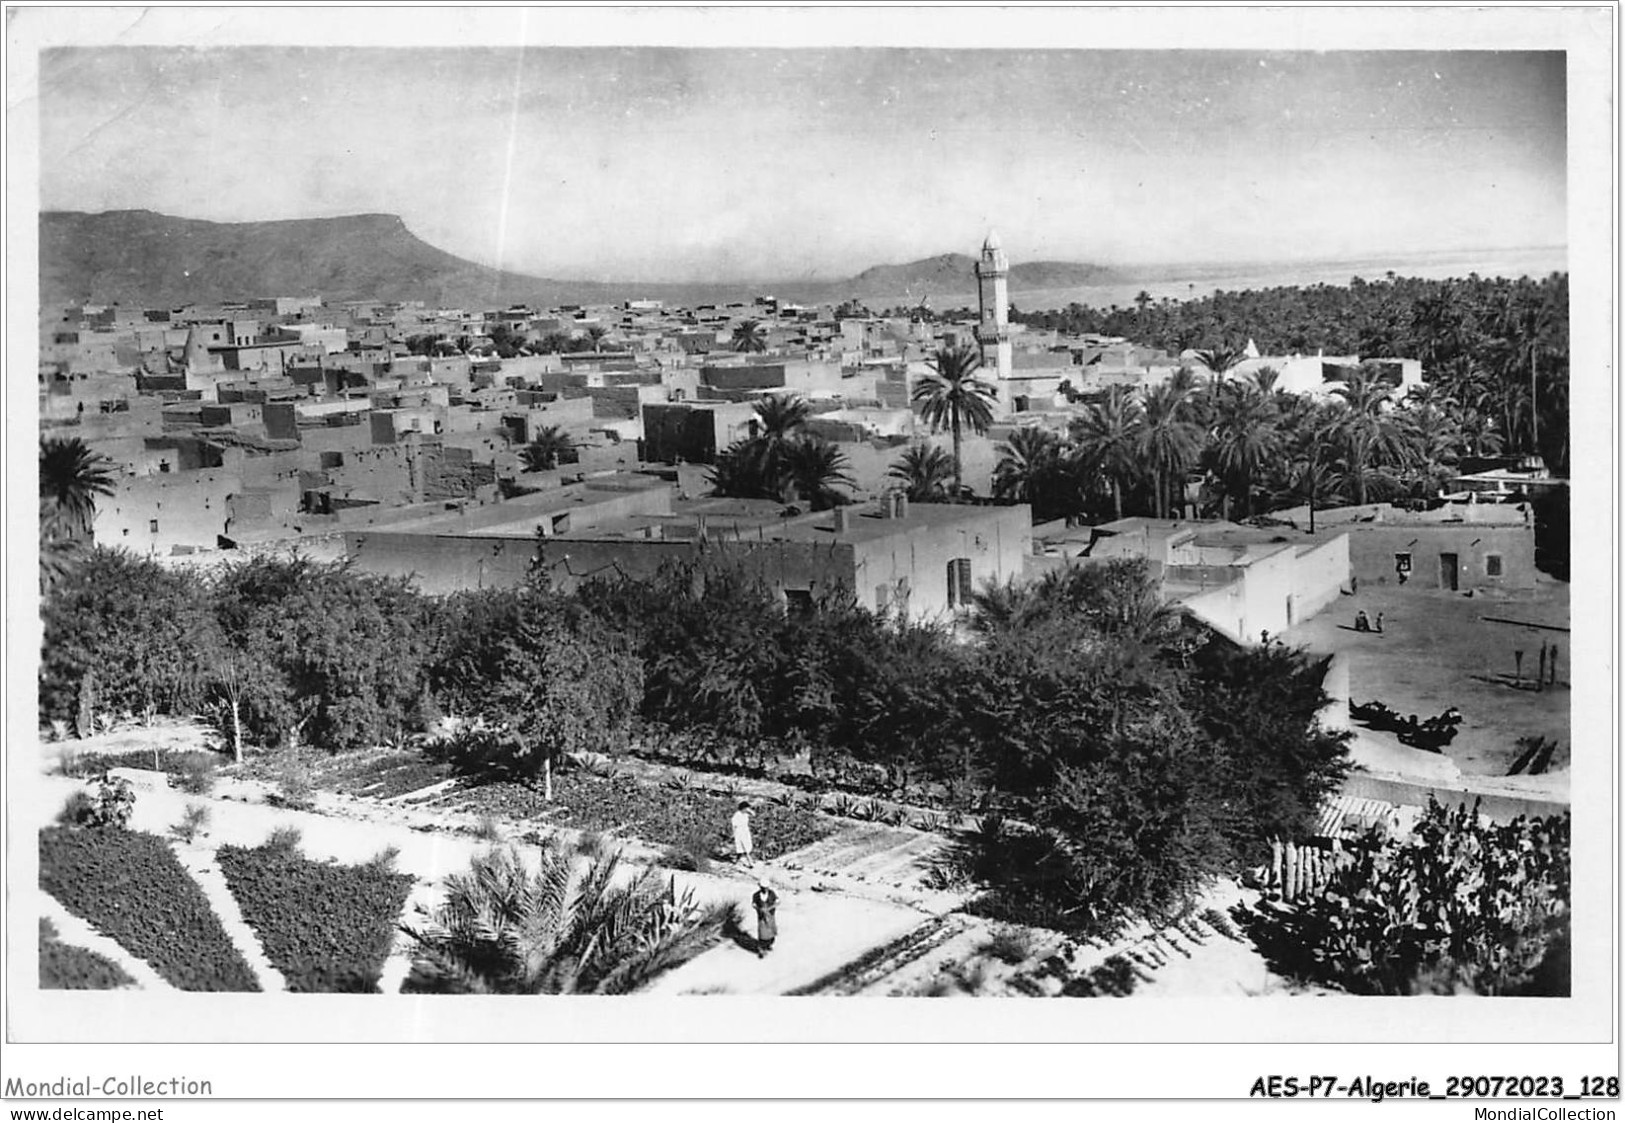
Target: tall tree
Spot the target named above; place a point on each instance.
(1107, 439)
(815, 470)
(750, 336)
(952, 397)
(1033, 468)
(549, 447)
(925, 471)
(1219, 360)
(1244, 442)
(71, 477)
(1169, 442)
(780, 415)
(1524, 323)
(1365, 427)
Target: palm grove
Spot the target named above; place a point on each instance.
(1121, 756)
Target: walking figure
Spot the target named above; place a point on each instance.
(1379, 623)
(741, 828)
(766, 904)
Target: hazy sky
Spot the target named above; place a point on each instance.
(657, 164)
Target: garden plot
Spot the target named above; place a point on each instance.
(129, 885)
(691, 820)
(324, 927)
(65, 966)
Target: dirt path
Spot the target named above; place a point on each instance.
(198, 858)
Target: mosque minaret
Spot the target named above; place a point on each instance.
(993, 294)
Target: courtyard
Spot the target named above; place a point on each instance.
(1439, 649)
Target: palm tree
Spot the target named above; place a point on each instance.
(1169, 443)
(953, 397)
(1033, 468)
(567, 928)
(59, 548)
(1220, 359)
(1436, 439)
(1365, 427)
(71, 476)
(813, 468)
(779, 415)
(1524, 327)
(1312, 480)
(762, 466)
(1245, 440)
(1265, 378)
(739, 472)
(548, 448)
(1478, 432)
(925, 471)
(1000, 605)
(750, 336)
(596, 333)
(1107, 439)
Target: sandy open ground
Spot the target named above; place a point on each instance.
(1440, 649)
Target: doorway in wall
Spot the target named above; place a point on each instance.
(1449, 565)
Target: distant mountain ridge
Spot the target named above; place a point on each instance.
(149, 258)
(142, 256)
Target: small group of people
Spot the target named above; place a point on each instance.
(1362, 622)
(764, 902)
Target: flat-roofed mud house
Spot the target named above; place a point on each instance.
(921, 560)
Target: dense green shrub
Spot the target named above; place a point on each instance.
(1144, 760)
(319, 651)
(131, 887)
(543, 681)
(1461, 905)
(1271, 763)
(707, 635)
(68, 967)
(136, 628)
(109, 806)
(326, 928)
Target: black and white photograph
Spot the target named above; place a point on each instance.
(1050, 537)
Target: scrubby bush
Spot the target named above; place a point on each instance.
(1009, 945)
(294, 786)
(110, 805)
(1460, 906)
(194, 821)
(193, 773)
